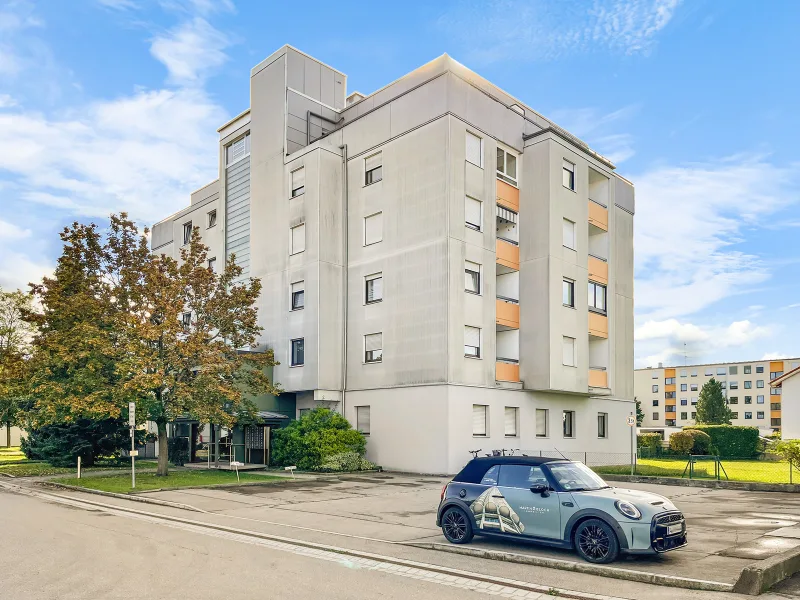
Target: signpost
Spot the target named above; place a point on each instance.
(632, 425)
(132, 424)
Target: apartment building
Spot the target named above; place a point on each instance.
(788, 386)
(440, 263)
(668, 395)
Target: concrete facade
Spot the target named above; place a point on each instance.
(423, 359)
(15, 437)
(787, 390)
(668, 394)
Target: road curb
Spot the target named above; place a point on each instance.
(746, 486)
(586, 568)
(757, 578)
(134, 497)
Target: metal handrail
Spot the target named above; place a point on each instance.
(511, 361)
(605, 260)
(506, 299)
(500, 237)
(598, 202)
(598, 368)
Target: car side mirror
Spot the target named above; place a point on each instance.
(541, 488)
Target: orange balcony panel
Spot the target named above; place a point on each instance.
(598, 270)
(598, 216)
(669, 373)
(507, 255)
(598, 325)
(774, 414)
(776, 366)
(507, 314)
(598, 378)
(507, 196)
(506, 372)
(670, 388)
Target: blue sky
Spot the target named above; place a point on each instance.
(110, 105)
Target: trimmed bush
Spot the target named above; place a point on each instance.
(347, 461)
(702, 441)
(681, 442)
(731, 441)
(651, 442)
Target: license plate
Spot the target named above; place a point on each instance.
(673, 529)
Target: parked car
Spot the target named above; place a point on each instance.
(556, 502)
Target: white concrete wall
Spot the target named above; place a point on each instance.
(790, 408)
(16, 435)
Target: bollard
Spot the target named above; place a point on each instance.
(79, 467)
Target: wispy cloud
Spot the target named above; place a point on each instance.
(191, 51)
(775, 356)
(537, 29)
(601, 131)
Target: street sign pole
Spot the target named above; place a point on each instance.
(132, 423)
(632, 425)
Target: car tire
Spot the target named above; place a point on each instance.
(596, 541)
(457, 526)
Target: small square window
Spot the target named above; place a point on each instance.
(568, 421)
(297, 239)
(721, 371)
(237, 150)
(480, 416)
(655, 375)
(684, 387)
(506, 166)
(709, 372)
(373, 229)
(733, 370)
(748, 399)
(474, 150)
(655, 388)
(694, 372)
(298, 352)
(693, 387)
(473, 213)
(684, 401)
(748, 369)
(373, 347)
(212, 218)
(298, 182)
(568, 175)
(734, 415)
(187, 232)
(760, 383)
(568, 351)
(568, 236)
(748, 385)
(655, 416)
(683, 372)
(472, 277)
(734, 385)
(542, 422)
(759, 399)
(373, 288)
(568, 293)
(472, 342)
(760, 414)
(694, 415)
(684, 416)
(373, 168)
(298, 295)
(362, 419)
(510, 421)
(602, 425)
(212, 265)
(597, 297)
(655, 402)
(759, 369)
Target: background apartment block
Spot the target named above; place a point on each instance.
(440, 263)
(669, 394)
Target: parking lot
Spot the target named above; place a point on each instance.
(727, 529)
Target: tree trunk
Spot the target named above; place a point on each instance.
(163, 450)
(8, 434)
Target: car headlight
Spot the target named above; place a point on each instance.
(628, 509)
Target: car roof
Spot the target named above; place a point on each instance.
(475, 469)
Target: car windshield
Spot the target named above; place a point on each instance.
(576, 477)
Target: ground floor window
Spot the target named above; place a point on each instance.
(510, 421)
(568, 420)
(362, 419)
(602, 425)
(479, 418)
(541, 422)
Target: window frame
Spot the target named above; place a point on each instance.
(369, 279)
(211, 219)
(563, 349)
(211, 264)
(572, 424)
(299, 190)
(302, 346)
(568, 288)
(366, 218)
(593, 297)
(546, 415)
(602, 425)
(293, 294)
(480, 149)
(473, 226)
(187, 232)
(229, 150)
(477, 291)
(369, 178)
(369, 357)
(564, 170)
(478, 353)
(516, 421)
(564, 222)
(359, 428)
(485, 409)
(186, 321)
(292, 250)
(503, 175)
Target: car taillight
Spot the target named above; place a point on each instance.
(444, 489)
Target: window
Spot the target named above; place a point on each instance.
(775, 422)
(694, 400)
(479, 417)
(474, 150)
(491, 476)
(759, 399)
(473, 213)
(733, 370)
(568, 422)
(694, 415)
(298, 239)
(684, 387)
(655, 388)
(568, 351)
(655, 375)
(472, 277)
(670, 408)
(721, 370)
(373, 229)
(733, 400)
(186, 320)
(775, 391)
(683, 372)
(709, 372)
(373, 347)
(362, 419)
(568, 234)
(655, 416)
(506, 166)
(568, 293)
(212, 218)
(760, 383)
(759, 369)
(187, 232)
(472, 342)
(775, 375)
(748, 415)
(669, 381)
(542, 420)
(684, 401)
(298, 182)
(298, 295)
(684, 416)
(212, 265)
(602, 425)
(760, 414)
(521, 477)
(669, 422)
(748, 385)
(298, 354)
(748, 399)
(373, 168)
(237, 150)
(693, 387)
(510, 421)
(568, 175)
(723, 385)
(748, 369)
(734, 385)
(655, 402)
(597, 297)
(694, 372)
(669, 395)
(373, 288)
(775, 406)
(303, 411)
(734, 415)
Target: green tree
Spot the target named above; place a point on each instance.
(639, 413)
(15, 346)
(113, 331)
(790, 450)
(61, 444)
(712, 408)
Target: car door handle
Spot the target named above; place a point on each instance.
(568, 504)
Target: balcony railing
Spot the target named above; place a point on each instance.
(507, 254)
(598, 377)
(507, 313)
(505, 370)
(598, 215)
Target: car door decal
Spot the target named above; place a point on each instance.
(492, 512)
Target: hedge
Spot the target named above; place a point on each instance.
(731, 441)
(650, 441)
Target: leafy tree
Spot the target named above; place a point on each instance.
(789, 450)
(639, 413)
(112, 332)
(15, 340)
(61, 444)
(315, 438)
(712, 409)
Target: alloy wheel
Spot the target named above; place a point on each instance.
(594, 542)
(455, 525)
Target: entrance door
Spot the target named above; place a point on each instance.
(539, 515)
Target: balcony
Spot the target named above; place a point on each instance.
(507, 313)
(507, 256)
(507, 196)
(598, 377)
(598, 325)
(598, 215)
(506, 370)
(598, 270)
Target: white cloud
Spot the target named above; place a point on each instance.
(688, 219)
(774, 356)
(599, 130)
(795, 305)
(121, 5)
(191, 51)
(526, 29)
(12, 233)
(6, 101)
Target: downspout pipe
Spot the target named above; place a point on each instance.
(345, 283)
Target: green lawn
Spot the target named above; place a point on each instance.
(738, 470)
(11, 455)
(148, 481)
(26, 468)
